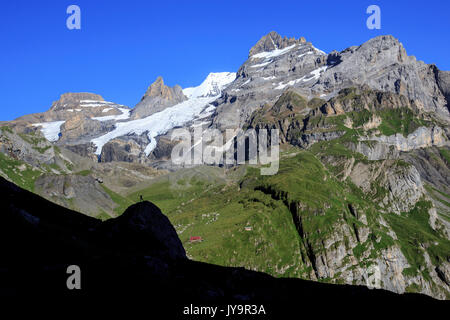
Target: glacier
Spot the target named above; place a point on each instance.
(50, 130)
(196, 107)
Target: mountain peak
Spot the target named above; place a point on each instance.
(273, 41)
(159, 89)
(71, 99)
(157, 97)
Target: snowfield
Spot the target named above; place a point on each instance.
(95, 103)
(125, 115)
(51, 130)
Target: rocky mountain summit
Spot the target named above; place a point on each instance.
(73, 100)
(273, 41)
(157, 97)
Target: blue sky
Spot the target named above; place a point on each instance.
(124, 45)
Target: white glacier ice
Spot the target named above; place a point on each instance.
(196, 107)
(212, 86)
(51, 130)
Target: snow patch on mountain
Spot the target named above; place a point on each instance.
(212, 86)
(304, 54)
(273, 53)
(315, 74)
(95, 103)
(50, 130)
(261, 64)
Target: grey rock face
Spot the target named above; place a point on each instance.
(126, 148)
(33, 152)
(157, 97)
(443, 272)
(389, 147)
(80, 129)
(307, 140)
(405, 188)
(382, 64)
(443, 81)
(86, 150)
(402, 181)
(432, 168)
(265, 75)
(423, 137)
(72, 100)
(376, 150)
(78, 192)
(273, 41)
(80, 104)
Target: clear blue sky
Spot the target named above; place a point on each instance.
(124, 45)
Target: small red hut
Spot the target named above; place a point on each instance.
(195, 239)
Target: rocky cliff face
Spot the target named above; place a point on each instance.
(372, 140)
(76, 191)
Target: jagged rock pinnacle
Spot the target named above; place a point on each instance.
(273, 41)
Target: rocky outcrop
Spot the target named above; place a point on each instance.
(78, 192)
(382, 64)
(127, 150)
(364, 98)
(405, 188)
(157, 97)
(273, 41)
(374, 150)
(32, 148)
(379, 147)
(402, 182)
(431, 165)
(84, 115)
(80, 129)
(443, 81)
(308, 139)
(86, 150)
(72, 100)
(422, 137)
